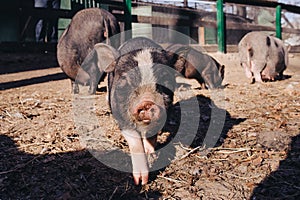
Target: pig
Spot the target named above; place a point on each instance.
(141, 89)
(263, 57)
(87, 27)
(194, 64)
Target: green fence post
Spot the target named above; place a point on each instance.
(63, 22)
(128, 19)
(220, 26)
(278, 22)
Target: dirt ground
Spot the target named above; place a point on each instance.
(257, 155)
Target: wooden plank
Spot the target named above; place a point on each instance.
(197, 23)
(295, 49)
(214, 48)
(234, 48)
(119, 3)
(266, 3)
(255, 27)
(291, 30)
(201, 35)
(50, 13)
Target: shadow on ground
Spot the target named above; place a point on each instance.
(208, 125)
(71, 175)
(32, 81)
(284, 182)
(21, 62)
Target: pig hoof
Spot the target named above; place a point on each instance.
(140, 177)
(92, 91)
(75, 89)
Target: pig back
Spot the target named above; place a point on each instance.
(138, 43)
(86, 28)
(254, 46)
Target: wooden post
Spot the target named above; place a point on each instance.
(185, 3)
(128, 19)
(221, 26)
(201, 35)
(278, 22)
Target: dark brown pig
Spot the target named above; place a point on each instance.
(194, 64)
(141, 89)
(262, 56)
(88, 27)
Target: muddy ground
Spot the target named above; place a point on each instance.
(45, 152)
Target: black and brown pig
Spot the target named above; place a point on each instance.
(140, 85)
(194, 64)
(262, 56)
(140, 88)
(87, 27)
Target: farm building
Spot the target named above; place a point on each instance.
(196, 19)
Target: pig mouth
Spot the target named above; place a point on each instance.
(146, 112)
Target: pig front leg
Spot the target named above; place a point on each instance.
(75, 87)
(93, 85)
(94, 74)
(138, 156)
(248, 72)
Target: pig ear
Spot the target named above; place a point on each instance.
(107, 56)
(176, 60)
(222, 71)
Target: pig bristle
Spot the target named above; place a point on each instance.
(145, 63)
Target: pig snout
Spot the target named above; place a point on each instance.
(147, 108)
(146, 112)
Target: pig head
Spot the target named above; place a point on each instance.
(262, 56)
(140, 86)
(278, 60)
(194, 64)
(87, 27)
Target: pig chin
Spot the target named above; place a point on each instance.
(152, 124)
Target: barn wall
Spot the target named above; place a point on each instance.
(9, 21)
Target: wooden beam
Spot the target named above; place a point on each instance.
(50, 13)
(111, 2)
(197, 23)
(266, 3)
(201, 35)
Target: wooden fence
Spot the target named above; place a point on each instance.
(122, 10)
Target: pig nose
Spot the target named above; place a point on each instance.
(142, 117)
